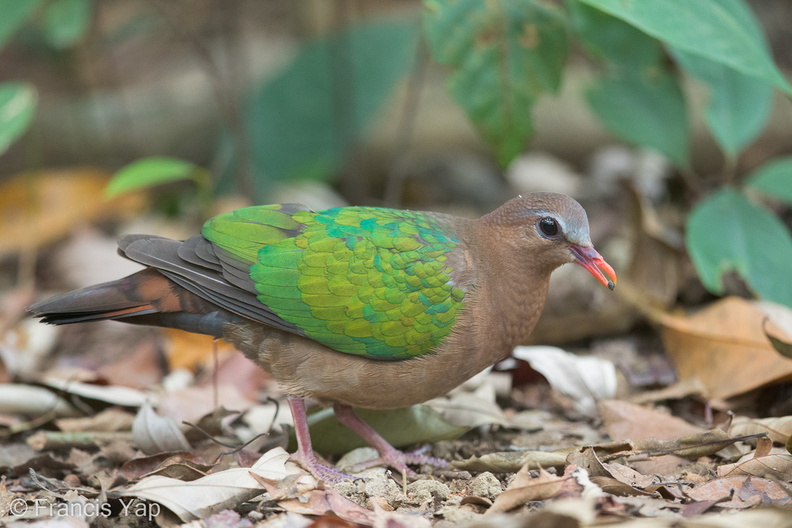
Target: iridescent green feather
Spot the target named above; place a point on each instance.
(361, 280)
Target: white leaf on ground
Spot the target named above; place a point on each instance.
(471, 409)
(584, 379)
(200, 498)
(16, 398)
(115, 394)
(154, 433)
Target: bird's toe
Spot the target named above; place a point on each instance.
(321, 471)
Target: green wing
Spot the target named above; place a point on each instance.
(361, 280)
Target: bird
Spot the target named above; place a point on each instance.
(354, 307)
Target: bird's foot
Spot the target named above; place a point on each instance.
(320, 471)
(399, 460)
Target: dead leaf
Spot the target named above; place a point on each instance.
(778, 429)
(193, 402)
(109, 420)
(587, 459)
(724, 345)
(215, 492)
(210, 424)
(654, 270)
(511, 461)
(17, 398)
(42, 207)
(735, 491)
(676, 391)
(584, 379)
(471, 409)
(141, 466)
(590, 461)
(776, 465)
(780, 332)
(328, 500)
(191, 351)
(155, 434)
(764, 446)
(631, 477)
(612, 478)
(525, 488)
(114, 394)
(182, 468)
(624, 420)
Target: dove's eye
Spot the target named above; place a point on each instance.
(548, 227)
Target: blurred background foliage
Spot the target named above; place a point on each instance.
(419, 104)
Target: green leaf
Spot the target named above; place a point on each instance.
(149, 172)
(739, 104)
(504, 53)
(303, 122)
(17, 106)
(724, 31)
(774, 178)
(419, 424)
(13, 14)
(726, 232)
(613, 40)
(65, 22)
(644, 107)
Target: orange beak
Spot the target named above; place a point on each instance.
(595, 264)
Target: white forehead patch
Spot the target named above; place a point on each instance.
(577, 234)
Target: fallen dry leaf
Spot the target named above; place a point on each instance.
(148, 465)
(114, 394)
(17, 398)
(112, 419)
(200, 498)
(42, 207)
(625, 420)
(737, 491)
(691, 446)
(329, 501)
(616, 479)
(155, 434)
(525, 488)
(584, 379)
(776, 465)
(778, 333)
(650, 283)
(511, 461)
(724, 345)
(191, 351)
(778, 429)
(471, 409)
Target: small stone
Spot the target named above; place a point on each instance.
(459, 515)
(349, 489)
(425, 491)
(381, 486)
(486, 485)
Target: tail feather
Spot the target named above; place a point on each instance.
(109, 300)
(146, 297)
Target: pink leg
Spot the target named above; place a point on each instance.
(389, 455)
(305, 455)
